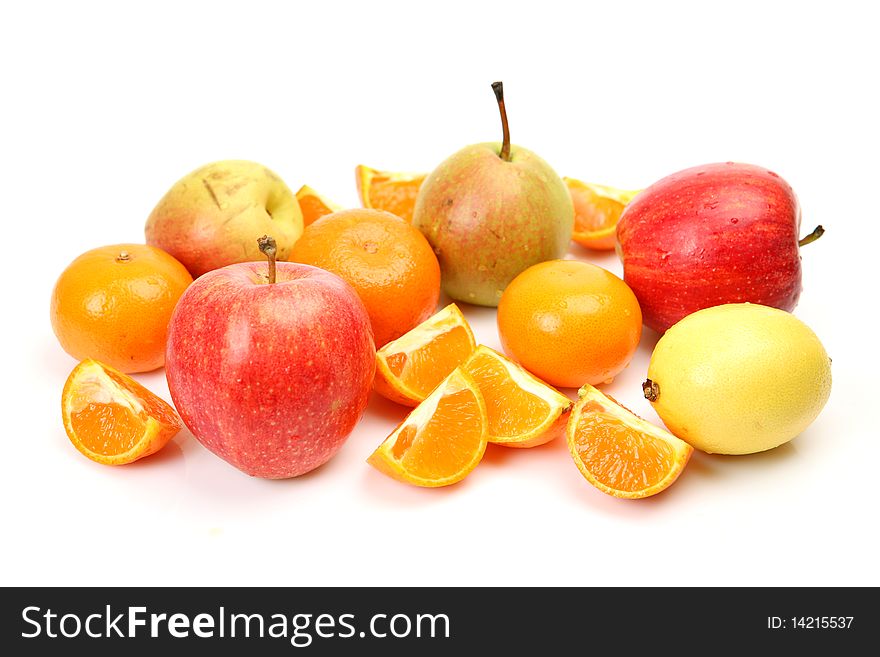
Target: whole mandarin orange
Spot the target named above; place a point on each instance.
(569, 322)
(387, 261)
(113, 304)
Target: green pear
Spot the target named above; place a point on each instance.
(491, 211)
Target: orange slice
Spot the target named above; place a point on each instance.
(441, 440)
(522, 410)
(597, 208)
(313, 205)
(410, 367)
(620, 453)
(393, 192)
(113, 419)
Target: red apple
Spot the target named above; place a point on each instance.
(710, 235)
(270, 376)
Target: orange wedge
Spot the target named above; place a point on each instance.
(313, 205)
(597, 208)
(620, 453)
(410, 367)
(393, 192)
(441, 440)
(522, 410)
(113, 419)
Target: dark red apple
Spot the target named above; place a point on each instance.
(710, 235)
(270, 376)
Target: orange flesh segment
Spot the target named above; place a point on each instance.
(597, 209)
(512, 410)
(411, 366)
(107, 429)
(153, 406)
(620, 456)
(421, 370)
(444, 445)
(110, 417)
(441, 440)
(393, 192)
(313, 205)
(594, 213)
(619, 452)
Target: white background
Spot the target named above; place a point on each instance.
(104, 107)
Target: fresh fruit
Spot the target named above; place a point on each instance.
(441, 440)
(521, 410)
(713, 234)
(393, 192)
(113, 304)
(738, 378)
(111, 418)
(597, 209)
(213, 216)
(314, 206)
(620, 453)
(569, 323)
(490, 211)
(388, 263)
(409, 368)
(270, 367)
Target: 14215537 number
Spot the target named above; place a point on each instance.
(810, 622)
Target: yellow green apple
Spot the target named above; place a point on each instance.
(213, 216)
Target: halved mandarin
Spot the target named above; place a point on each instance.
(441, 440)
(620, 453)
(313, 205)
(522, 410)
(111, 418)
(597, 209)
(394, 192)
(410, 367)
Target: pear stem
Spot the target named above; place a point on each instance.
(498, 88)
(268, 248)
(818, 231)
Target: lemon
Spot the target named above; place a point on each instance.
(738, 378)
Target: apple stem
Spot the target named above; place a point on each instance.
(818, 231)
(651, 390)
(498, 88)
(268, 248)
